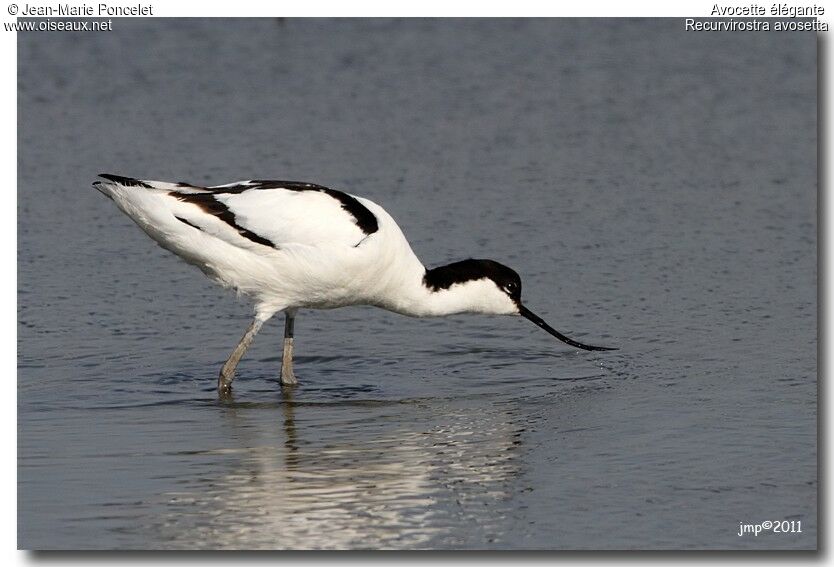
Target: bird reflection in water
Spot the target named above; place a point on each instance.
(350, 474)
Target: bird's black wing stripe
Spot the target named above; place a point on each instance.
(211, 205)
(362, 216)
(125, 181)
(182, 220)
(267, 184)
(291, 185)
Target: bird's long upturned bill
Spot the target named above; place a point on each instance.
(526, 313)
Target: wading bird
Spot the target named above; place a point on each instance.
(290, 245)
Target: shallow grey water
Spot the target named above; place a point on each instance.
(656, 189)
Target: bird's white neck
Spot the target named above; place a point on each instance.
(416, 298)
(402, 284)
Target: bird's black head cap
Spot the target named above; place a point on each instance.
(444, 277)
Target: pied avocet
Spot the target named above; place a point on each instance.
(290, 245)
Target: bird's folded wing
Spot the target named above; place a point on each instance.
(270, 217)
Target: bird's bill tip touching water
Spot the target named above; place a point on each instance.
(527, 314)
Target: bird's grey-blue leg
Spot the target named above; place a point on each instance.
(227, 373)
(287, 375)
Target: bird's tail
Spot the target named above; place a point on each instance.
(115, 183)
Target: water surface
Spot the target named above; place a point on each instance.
(656, 190)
